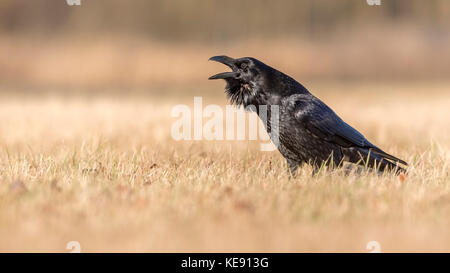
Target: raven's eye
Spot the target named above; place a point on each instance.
(244, 66)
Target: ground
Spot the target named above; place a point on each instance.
(104, 170)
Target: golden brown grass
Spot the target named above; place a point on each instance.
(104, 171)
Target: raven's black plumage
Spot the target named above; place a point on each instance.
(309, 131)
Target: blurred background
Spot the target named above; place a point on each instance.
(152, 44)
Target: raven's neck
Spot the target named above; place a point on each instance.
(268, 89)
(275, 86)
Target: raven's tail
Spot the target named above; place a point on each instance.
(374, 158)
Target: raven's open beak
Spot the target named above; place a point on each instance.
(226, 61)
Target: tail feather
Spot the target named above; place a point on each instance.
(375, 159)
(388, 156)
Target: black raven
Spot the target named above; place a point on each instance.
(308, 130)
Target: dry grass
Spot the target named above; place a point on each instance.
(104, 171)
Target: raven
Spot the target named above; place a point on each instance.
(308, 130)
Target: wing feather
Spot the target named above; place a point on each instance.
(324, 123)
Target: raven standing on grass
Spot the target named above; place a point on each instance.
(309, 131)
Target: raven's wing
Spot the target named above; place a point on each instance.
(324, 123)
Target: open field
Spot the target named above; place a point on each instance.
(103, 170)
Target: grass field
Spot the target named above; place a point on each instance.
(103, 170)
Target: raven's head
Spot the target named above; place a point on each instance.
(244, 81)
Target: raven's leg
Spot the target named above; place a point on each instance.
(293, 166)
(334, 160)
(316, 169)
